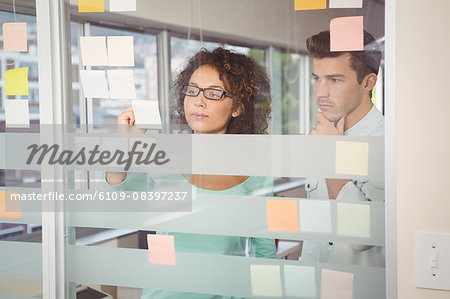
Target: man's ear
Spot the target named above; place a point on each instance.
(238, 110)
(369, 82)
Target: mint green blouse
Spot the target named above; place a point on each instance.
(208, 244)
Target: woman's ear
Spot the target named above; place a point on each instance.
(238, 110)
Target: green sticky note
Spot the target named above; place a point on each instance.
(353, 220)
(315, 216)
(16, 82)
(352, 157)
(300, 281)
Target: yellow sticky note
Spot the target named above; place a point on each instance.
(9, 208)
(266, 280)
(353, 220)
(282, 215)
(347, 34)
(91, 6)
(16, 82)
(15, 37)
(352, 157)
(310, 4)
(161, 249)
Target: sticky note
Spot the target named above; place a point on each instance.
(17, 114)
(121, 84)
(122, 5)
(266, 280)
(336, 285)
(161, 249)
(300, 281)
(16, 82)
(352, 157)
(347, 34)
(94, 84)
(147, 114)
(93, 51)
(120, 51)
(353, 220)
(315, 216)
(346, 4)
(9, 208)
(282, 215)
(15, 37)
(91, 5)
(310, 4)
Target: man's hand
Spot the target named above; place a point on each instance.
(326, 127)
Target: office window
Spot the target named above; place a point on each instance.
(286, 93)
(105, 111)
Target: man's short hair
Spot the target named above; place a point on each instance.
(363, 62)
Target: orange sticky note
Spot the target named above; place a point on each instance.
(91, 6)
(310, 4)
(161, 249)
(15, 37)
(282, 215)
(9, 208)
(347, 34)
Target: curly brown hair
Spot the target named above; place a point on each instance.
(243, 78)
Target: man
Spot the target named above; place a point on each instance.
(343, 83)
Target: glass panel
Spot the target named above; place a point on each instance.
(260, 202)
(20, 231)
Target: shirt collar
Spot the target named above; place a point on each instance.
(365, 125)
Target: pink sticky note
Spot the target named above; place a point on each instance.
(347, 34)
(15, 37)
(336, 285)
(161, 249)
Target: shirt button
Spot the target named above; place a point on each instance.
(307, 186)
(330, 243)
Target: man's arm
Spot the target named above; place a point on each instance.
(326, 127)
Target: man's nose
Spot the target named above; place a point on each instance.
(321, 89)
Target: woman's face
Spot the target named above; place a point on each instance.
(206, 116)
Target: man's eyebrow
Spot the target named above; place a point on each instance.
(334, 76)
(192, 83)
(330, 76)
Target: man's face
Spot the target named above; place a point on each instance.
(336, 86)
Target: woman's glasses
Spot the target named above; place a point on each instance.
(209, 93)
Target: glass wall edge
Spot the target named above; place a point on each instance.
(390, 150)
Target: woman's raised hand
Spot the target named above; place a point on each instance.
(127, 121)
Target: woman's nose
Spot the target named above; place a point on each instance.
(200, 100)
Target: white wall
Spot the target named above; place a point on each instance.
(423, 132)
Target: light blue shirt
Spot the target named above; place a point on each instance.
(363, 190)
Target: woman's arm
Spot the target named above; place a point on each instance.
(126, 121)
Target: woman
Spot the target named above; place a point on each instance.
(220, 92)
